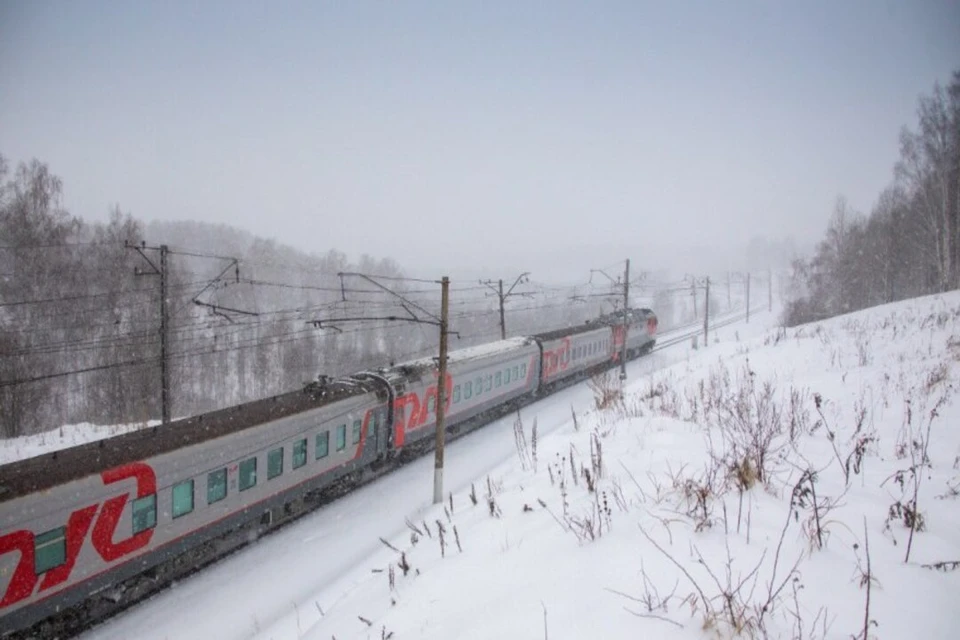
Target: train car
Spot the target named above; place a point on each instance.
(479, 379)
(569, 353)
(82, 520)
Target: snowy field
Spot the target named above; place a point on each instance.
(766, 488)
(766, 485)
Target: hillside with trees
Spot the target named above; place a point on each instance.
(80, 313)
(909, 243)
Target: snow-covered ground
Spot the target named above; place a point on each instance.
(642, 519)
(766, 488)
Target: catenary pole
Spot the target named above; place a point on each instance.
(164, 319)
(164, 324)
(503, 322)
(706, 316)
(441, 392)
(626, 321)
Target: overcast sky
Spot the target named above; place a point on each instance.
(469, 134)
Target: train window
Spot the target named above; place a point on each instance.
(50, 550)
(248, 473)
(341, 437)
(523, 371)
(323, 445)
(357, 431)
(506, 376)
(299, 453)
(467, 390)
(274, 463)
(516, 372)
(216, 486)
(489, 384)
(144, 512)
(497, 379)
(478, 386)
(182, 498)
(372, 424)
(456, 394)
(431, 404)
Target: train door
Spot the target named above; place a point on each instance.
(377, 431)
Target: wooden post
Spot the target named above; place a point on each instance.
(626, 321)
(693, 294)
(164, 366)
(441, 392)
(706, 317)
(503, 323)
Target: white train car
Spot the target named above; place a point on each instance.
(479, 379)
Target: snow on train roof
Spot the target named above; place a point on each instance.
(46, 470)
(470, 353)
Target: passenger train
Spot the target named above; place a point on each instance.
(88, 530)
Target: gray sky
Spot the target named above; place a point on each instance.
(514, 134)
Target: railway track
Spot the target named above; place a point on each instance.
(692, 329)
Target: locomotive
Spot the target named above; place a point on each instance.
(88, 530)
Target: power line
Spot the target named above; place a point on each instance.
(87, 296)
(64, 245)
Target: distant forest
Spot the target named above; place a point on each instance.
(909, 244)
(80, 313)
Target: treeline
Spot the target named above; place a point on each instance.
(909, 244)
(80, 336)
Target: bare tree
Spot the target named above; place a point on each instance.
(929, 167)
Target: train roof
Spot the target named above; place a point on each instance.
(58, 467)
(459, 356)
(556, 334)
(636, 315)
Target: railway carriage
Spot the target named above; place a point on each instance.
(568, 354)
(479, 379)
(107, 511)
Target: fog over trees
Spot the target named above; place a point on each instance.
(80, 337)
(80, 313)
(909, 243)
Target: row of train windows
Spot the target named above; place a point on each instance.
(50, 548)
(592, 349)
(486, 384)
